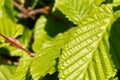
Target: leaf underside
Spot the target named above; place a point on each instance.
(86, 56)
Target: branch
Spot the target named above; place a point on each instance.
(29, 12)
(15, 43)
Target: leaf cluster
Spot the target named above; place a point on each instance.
(75, 40)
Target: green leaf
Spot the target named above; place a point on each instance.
(116, 2)
(25, 38)
(46, 61)
(10, 28)
(98, 2)
(117, 14)
(23, 67)
(40, 35)
(6, 72)
(75, 10)
(46, 28)
(86, 56)
(6, 9)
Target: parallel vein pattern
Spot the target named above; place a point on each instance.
(45, 61)
(75, 10)
(86, 56)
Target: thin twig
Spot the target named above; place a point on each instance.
(15, 43)
(29, 12)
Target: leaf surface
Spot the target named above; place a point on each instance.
(75, 10)
(46, 61)
(23, 68)
(6, 72)
(86, 56)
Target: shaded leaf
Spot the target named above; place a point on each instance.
(31, 3)
(115, 43)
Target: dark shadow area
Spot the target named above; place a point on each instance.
(5, 56)
(107, 1)
(116, 8)
(51, 77)
(115, 44)
(57, 23)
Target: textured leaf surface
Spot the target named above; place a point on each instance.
(116, 2)
(75, 10)
(6, 72)
(23, 67)
(86, 56)
(46, 28)
(9, 28)
(40, 34)
(46, 61)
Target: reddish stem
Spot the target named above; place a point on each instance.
(15, 43)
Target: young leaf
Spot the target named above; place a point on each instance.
(6, 72)
(46, 61)
(23, 68)
(86, 56)
(75, 10)
(9, 28)
(40, 35)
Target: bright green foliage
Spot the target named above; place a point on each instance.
(48, 57)
(23, 67)
(98, 2)
(80, 40)
(11, 28)
(86, 56)
(75, 10)
(39, 33)
(116, 2)
(6, 72)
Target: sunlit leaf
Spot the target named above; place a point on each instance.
(48, 56)
(86, 56)
(75, 10)
(6, 72)
(23, 67)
